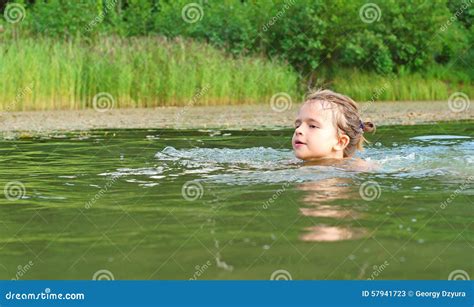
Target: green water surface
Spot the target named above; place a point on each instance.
(210, 204)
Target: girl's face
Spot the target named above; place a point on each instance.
(315, 134)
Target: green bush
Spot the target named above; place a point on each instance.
(321, 39)
(64, 19)
(308, 34)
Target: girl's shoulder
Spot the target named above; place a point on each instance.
(361, 165)
(351, 164)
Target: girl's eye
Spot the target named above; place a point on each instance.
(312, 126)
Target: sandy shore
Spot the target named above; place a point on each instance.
(229, 117)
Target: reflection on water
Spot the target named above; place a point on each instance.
(158, 204)
(321, 191)
(324, 233)
(329, 191)
(329, 211)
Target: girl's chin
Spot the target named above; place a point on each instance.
(308, 158)
(303, 157)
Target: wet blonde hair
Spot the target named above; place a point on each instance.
(346, 118)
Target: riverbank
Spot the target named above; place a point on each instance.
(226, 117)
(151, 72)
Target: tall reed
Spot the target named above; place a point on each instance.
(44, 74)
(437, 83)
(47, 74)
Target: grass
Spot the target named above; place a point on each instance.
(43, 74)
(437, 83)
(47, 74)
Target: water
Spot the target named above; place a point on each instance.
(209, 204)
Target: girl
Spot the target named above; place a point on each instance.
(328, 127)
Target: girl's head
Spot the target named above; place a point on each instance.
(328, 125)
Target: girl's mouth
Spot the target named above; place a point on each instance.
(299, 144)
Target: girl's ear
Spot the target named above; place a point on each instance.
(342, 142)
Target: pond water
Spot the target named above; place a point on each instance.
(216, 204)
